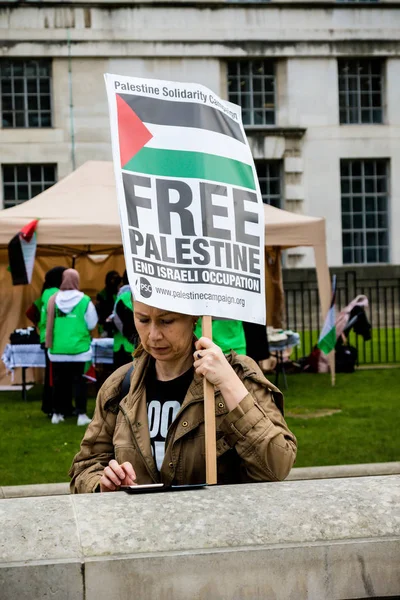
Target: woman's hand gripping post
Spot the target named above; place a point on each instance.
(210, 362)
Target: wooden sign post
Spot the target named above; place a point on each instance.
(209, 417)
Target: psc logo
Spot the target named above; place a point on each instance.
(145, 287)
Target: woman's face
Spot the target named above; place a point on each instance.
(166, 335)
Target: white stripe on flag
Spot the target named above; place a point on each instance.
(329, 323)
(29, 253)
(192, 139)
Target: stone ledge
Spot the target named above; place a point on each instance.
(295, 539)
(296, 474)
(339, 471)
(38, 489)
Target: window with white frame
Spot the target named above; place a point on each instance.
(22, 182)
(269, 174)
(360, 91)
(25, 89)
(365, 200)
(251, 84)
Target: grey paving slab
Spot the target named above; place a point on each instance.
(35, 529)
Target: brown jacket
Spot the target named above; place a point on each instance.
(253, 440)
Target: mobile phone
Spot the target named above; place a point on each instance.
(148, 488)
(152, 488)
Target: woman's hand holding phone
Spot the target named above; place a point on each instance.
(116, 475)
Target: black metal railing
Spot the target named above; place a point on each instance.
(303, 315)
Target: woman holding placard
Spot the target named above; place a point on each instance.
(155, 433)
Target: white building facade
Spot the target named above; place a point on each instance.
(318, 82)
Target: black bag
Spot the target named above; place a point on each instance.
(25, 336)
(345, 358)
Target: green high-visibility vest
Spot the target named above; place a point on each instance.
(70, 333)
(119, 339)
(43, 312)
(227, 334)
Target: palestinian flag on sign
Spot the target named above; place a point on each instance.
(21, 254)
(157, 137)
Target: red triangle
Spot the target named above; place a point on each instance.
(90, 373)
(28, 231)
(133, 134)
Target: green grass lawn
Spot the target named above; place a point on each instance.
(366, 430)
(383, 348)
(32, 449)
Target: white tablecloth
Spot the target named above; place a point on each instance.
(284, 340)
(32, 355)
(23, 355)
(103, 351)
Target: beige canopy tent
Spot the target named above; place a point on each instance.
(78, 220)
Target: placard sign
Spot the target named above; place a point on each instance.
(191, 211)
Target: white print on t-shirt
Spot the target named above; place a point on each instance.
(160, 417)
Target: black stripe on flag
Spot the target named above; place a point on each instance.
(17, 262)
(183, 114)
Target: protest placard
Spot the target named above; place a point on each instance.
(191, 211)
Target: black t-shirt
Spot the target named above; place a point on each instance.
(164, 400)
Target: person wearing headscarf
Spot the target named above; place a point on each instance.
(71, 315)
(105, 301)
(37, 313)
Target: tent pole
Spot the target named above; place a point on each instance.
(325, 293)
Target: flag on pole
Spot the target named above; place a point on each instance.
(21, 254)
(327, 338)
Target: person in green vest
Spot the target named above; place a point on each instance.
(126, 334)
(37, 313)
(228, 334)
(71, 316)
(52, 283)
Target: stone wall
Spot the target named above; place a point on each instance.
(320, 539)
